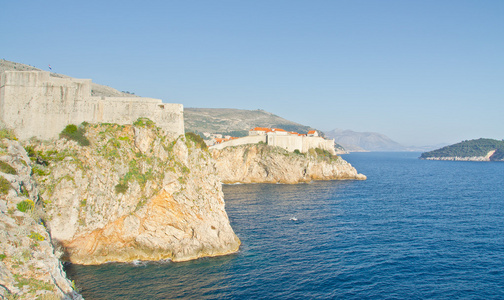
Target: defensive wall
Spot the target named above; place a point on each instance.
(285, 140)
(35, 104)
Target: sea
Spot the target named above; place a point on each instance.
(415, 229)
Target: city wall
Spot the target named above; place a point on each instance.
(35, 104)
(285, 141)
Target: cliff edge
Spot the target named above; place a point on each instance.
(29, 264)
(132, 194)
(260, 163)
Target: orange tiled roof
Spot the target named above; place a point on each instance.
(312, 132)
(266, 129)
(220, 140)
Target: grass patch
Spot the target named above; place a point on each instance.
(26, 205)
(6, 168)
(4, 186)
(7, 134)
(36, 236)
(39, 171)
(33, 284)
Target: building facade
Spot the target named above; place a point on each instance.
(277, 137)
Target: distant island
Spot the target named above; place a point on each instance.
(472, 150)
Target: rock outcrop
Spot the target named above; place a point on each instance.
(132, 194)
(29, 266)
(260, 163)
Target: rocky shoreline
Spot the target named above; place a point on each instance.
(133, 193)
(259, 163)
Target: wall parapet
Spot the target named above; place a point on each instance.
(35, 104)
(289, 141)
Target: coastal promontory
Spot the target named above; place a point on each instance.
(471, 150)
(261, 163)
(132, 194)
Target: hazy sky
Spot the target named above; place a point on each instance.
(420, 72)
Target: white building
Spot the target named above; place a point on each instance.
(277, 137)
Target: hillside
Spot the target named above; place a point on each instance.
(96, 89)
(473, 150)
(364, 141)
(235, 122)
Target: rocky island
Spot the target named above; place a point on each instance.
(472, 150)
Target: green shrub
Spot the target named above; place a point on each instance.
(121, 188)
(144, 122)
(6, 168)
(74, 133)
(4, 186)
(197, 139)
(26, 205)
(2, 256)
(36, 236)
(39, 171)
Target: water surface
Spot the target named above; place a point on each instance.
(415, 229)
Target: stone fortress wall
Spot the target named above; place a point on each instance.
(35, 104)
(289, 141)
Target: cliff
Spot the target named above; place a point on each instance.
(261, 163)
(132, 194)
(472, 150)
(29, 266)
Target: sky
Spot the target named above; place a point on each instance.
(421, 72)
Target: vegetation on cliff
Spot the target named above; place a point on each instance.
(472, 148)
(134, 193)
(260, 163)
(29, 267)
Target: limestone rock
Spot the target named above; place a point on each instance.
(264, 164)
(29, 268)
(133, 194)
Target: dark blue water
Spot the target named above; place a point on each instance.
(414, 230)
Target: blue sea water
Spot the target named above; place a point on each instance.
(414, 230)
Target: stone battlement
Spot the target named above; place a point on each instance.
(35, 104)
(276, 137)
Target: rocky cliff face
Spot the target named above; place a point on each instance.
(29, 267)
(260, 163)
(132, 194)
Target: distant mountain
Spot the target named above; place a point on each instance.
(235, 122)
(472, 150)
(354, 141)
